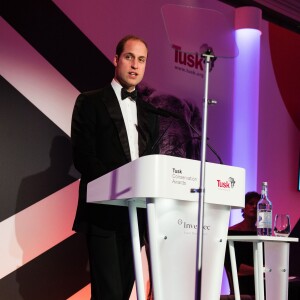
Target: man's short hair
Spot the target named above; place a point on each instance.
(251, 195)
(122, 42)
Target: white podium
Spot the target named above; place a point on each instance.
(163, 184)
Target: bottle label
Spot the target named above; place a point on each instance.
(264, 219)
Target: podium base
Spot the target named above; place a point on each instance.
(173, 240)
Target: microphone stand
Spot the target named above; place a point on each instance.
(209, 58)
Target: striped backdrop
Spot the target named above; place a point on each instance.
(45, 61)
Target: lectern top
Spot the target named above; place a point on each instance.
(162, 176)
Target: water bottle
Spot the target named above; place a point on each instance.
(264, 212)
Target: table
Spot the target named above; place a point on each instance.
(275, 266)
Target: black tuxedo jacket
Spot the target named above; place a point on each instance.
(100, 145)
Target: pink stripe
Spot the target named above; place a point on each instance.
(83, 294)
(36, 229)
(35, 78)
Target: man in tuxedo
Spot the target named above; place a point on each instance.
(111, 127)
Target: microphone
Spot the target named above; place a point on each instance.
(156, 143)
(208, 51)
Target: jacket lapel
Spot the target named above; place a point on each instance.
(111, 102)
(143, 127)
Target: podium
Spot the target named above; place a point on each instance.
(162, 184)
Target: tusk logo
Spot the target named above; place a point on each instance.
(230, 183)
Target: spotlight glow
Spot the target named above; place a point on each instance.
(246, 106)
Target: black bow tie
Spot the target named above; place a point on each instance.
(125, 94)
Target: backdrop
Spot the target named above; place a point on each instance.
(52, 51)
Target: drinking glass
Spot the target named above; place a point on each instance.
(282, 225)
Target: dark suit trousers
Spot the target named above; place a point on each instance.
(112, 267)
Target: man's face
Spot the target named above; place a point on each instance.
(250, 209)
(130, 65)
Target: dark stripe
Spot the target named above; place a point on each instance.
(35, 156)
(55, 275)
(60, 42)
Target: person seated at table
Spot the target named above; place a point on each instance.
(244, 251)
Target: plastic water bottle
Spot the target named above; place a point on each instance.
(264, 212)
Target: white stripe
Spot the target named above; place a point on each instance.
(35, 78)
(36, 229)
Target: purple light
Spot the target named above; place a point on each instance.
(245, 114)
